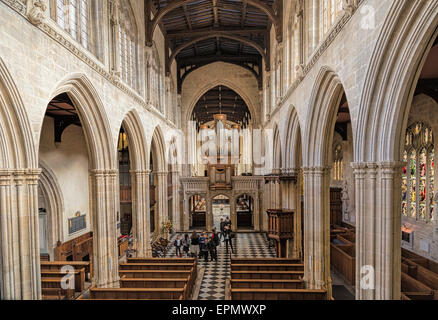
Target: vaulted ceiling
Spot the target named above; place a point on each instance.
(221, 100)
(204, 31)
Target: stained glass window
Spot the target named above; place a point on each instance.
(418, 174)
(338, 163)
(405, 187)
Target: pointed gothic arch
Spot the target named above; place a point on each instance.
(19, 269)
(139, 170)
(103, 173)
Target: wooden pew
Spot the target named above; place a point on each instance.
(411, 286)
(146, 274)
(278, 294)
(426, 263)
(342, 258)
(44, 257)
(268, 275)
(156, 266)
(267, 267)
(157, 283)
(57, 294)
(266, 284)
(79, 277)
(77, 265)
(264, 261)
(134, 294)
(162, 260)
(69, 251)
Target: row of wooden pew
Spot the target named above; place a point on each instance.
(419, 279)
(419, 276)
(269, 279)
(54, 275)
(150, 279)
(343, 251)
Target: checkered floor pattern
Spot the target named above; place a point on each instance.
(246, 245)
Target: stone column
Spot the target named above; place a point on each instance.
(115, 41)
(176, 216)
(257, 213)
(317, 228)
(378, 230)
(20, 255)
(162, 198)
(209, 213)
(141, 212)
(186, 218)
(292, 201)
(103, 208)
(233, 214)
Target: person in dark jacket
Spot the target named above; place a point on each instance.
(211, 245)
(194, 245)
(204, 246)
(186, 244)
(228, 240)
(202, 243)
(222, 227)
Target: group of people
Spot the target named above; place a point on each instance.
(205, 246)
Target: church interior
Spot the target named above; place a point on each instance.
(290, 143)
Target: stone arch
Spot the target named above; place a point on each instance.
(55, 205)
(317, 156)
(385, 100)
(292, 151)
(277, 161)
(103, 173)
(139, 157)
(321, 118)
(158, 154)
(17, 149)
(19, 269)
(93, 119)
(159, 145)
(251, 102)
(137, 139)
(394, 70)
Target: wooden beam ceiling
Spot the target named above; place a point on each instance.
(204, 31)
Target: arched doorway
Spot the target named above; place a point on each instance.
(198, 213)
(418, 209)
(76, 144)
(158, 182)
(245, 212)
(342, 213)
(328, 110)
(221, 209)
(125, 214)
(62, 142)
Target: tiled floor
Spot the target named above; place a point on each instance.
(246, 245)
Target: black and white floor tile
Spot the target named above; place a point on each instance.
(246, 245)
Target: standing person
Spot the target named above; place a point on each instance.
(228, 240)
(222, 226)
(186, 244)
(194, 245)
(212, 249)
(228, 222)
(202, 242)
(204, 249)
(178, 244)
(215, 237)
